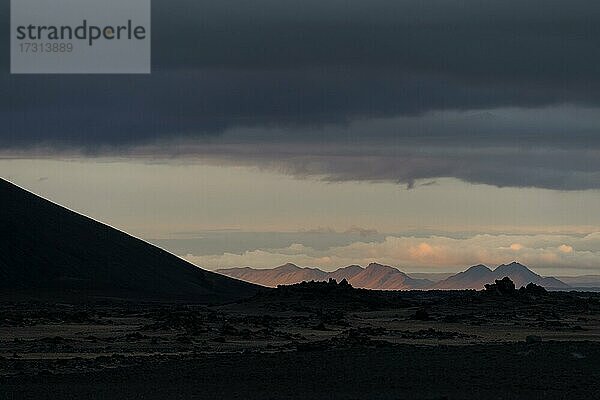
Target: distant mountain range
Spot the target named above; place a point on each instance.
(478, 275)
(48, 251)
(383, 277)
(375, 276)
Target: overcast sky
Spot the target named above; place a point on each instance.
(443, 119)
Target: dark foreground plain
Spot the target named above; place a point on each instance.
(494, 371)
(312, 341)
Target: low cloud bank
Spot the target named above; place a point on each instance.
(550, 253)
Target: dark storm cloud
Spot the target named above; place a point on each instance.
(299, 67)
(570, 169)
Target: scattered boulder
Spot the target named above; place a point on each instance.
(578, 328)
(533, 339)
(53, 340)
(320, 327)
(134, 336)
(421, 315)
(183, 338)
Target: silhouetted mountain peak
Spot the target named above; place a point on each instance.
(376, 267)
(383, 271)
(515, 268)
(514, 265)
(353, 267)
(288, 267)
(479, 268)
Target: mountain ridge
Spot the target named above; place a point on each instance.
(477, 276)
(383, 277)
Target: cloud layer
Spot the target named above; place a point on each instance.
(499, 92)
(564, 253)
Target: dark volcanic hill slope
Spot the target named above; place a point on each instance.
(45, 248)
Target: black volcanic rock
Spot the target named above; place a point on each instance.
(504, 286)
(534, 290)
(47, 249)
(421, 315)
